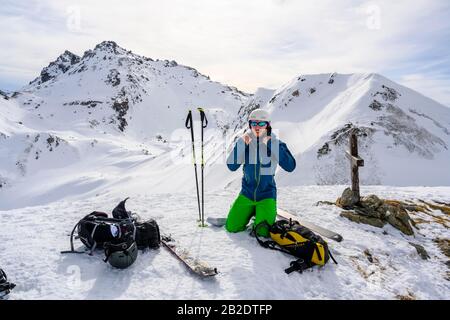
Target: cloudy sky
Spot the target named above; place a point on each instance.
(245, 43)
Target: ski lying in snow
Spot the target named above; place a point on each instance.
(196, 266)
(283, 214)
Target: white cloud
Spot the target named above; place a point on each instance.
(248, 43)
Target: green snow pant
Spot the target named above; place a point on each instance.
(243, 209)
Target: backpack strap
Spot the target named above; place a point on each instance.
(269, 244)
(299, 265)
(72, 249)
(331, 256)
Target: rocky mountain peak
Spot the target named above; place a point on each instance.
(3, 95)
(57, 67)
(108, 46)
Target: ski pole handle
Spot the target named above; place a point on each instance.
(203, 117)
(188, 123)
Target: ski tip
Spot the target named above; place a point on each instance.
(210, 274)
(338, 238)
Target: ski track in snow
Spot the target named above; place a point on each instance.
(32, 238)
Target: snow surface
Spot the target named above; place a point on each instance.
(247, 271)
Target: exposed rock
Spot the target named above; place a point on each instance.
(63, 63)
(389, 94)
(121, 107)
(331, 79)
(113, 77)
(400, 219)
(347, 200)
(405, 131)
(371, 202)
(88, 103)
(325, 149)
(408, 296)
(421, 251)
(368, 212)
(4, 95)
(352, 216)
(375, 105)
(368, 255)
(444, 245)
(376, 212)
(329, 203)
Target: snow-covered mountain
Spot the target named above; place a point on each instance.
(404, 137)
(110, 117)
(111, 85)
(85, 122)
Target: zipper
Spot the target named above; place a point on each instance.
(259, 167)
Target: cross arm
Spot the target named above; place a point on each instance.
(356, 160)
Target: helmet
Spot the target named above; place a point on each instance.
(259, 114)
(5, 286)
(120, 256)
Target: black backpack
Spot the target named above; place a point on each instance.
(147, 235)
(96, 229)
(5, 286)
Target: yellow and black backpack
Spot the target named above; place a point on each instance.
(292, 238)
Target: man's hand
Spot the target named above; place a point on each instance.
(247, 139)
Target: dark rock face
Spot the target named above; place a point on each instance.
(121, 107)
(113, 77)
(63, 63)
(324, 150)
(421, 251)
(376, 105)
(88, 103)
(3, 95)
(341, 136)
(388, 94)
(110, 46)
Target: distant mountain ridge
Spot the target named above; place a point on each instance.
(111, 115)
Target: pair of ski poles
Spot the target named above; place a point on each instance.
(190, 125)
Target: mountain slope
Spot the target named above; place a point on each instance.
(404, 137)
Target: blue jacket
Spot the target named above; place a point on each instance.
(259, 164)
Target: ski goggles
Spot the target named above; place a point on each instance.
(258, 123)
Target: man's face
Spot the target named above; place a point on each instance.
(259, 127)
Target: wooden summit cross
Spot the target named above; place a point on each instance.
(355, 163)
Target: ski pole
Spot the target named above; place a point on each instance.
(190, 125)
(204, 125)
